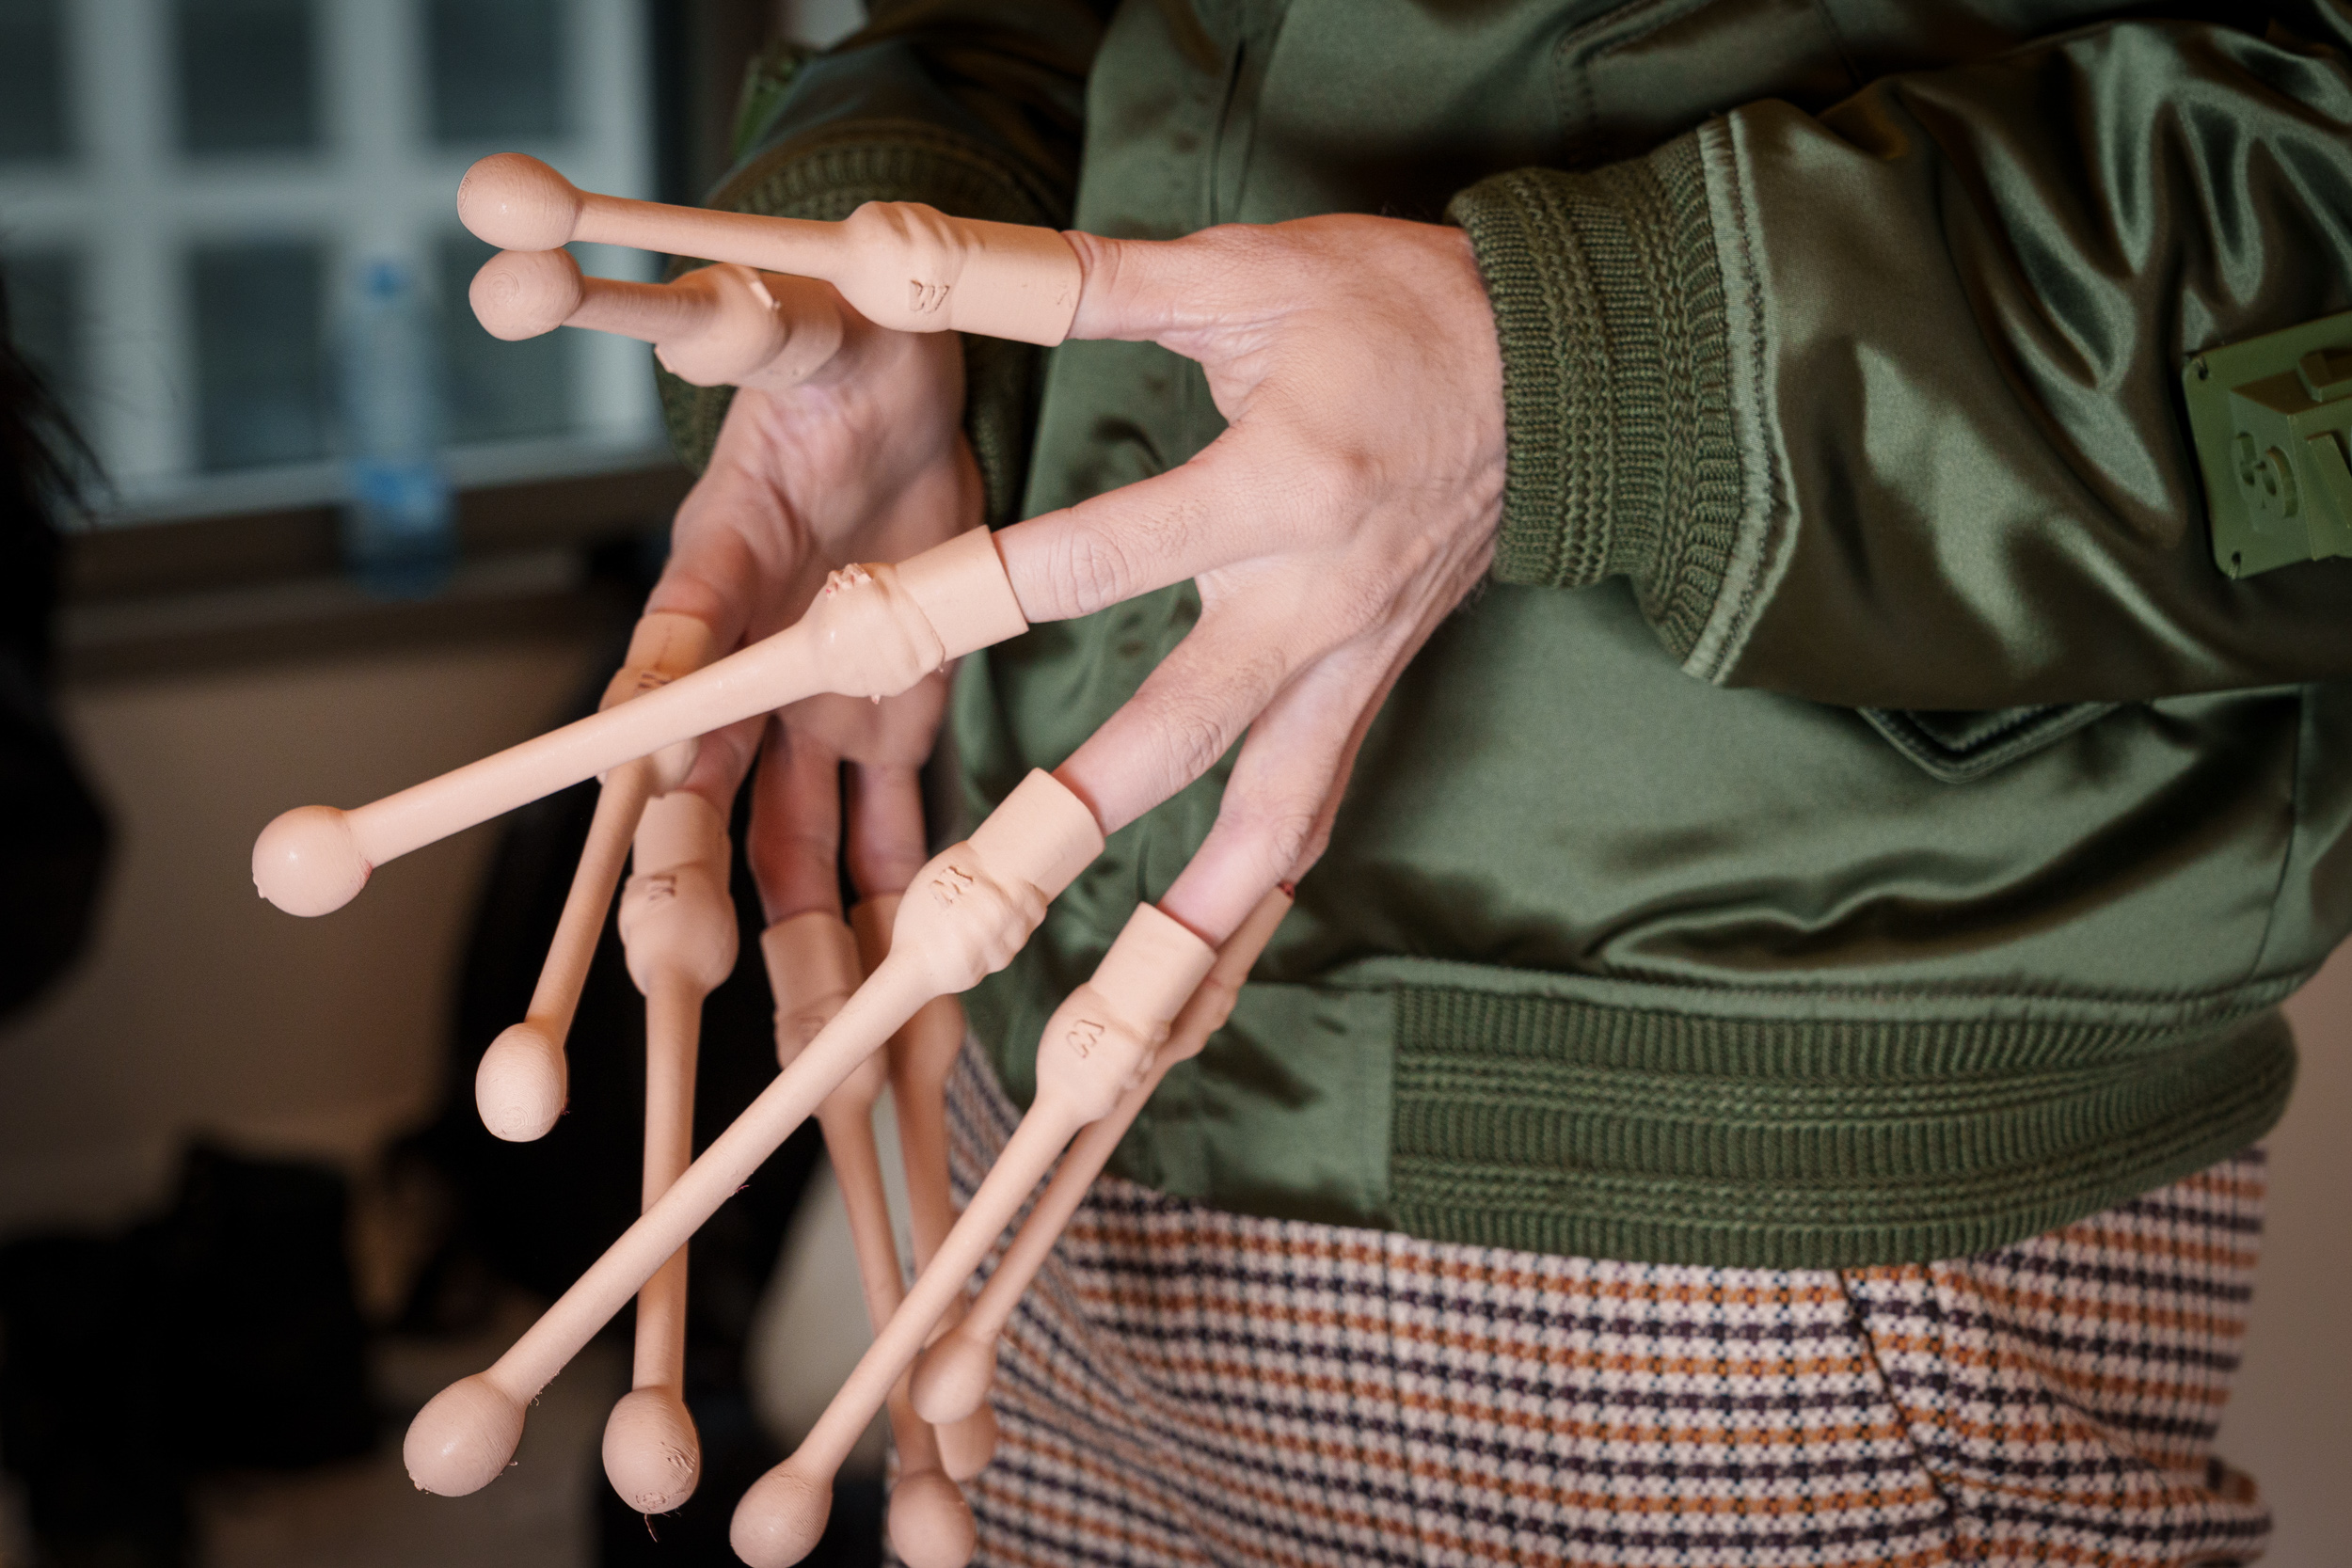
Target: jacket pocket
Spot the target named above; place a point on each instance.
(1961, 746)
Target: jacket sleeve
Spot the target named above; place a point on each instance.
(972, 107)
(1882, 407)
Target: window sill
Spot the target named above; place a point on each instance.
(537, 557)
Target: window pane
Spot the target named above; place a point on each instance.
(498, 390)
(44, 317)
(32, 80)
(497, 70)
(247, 76)
(259, 311)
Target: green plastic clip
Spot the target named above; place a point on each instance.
(2272, 418)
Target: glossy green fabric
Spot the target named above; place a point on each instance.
(973, 109)
(1919, 870)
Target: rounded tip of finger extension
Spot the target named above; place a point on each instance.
(930, 1524)
(952, 1378)
(652, 1454)
(461, 1441)
(519, 1088)
(517, 203)
(307, 861)
(525, 294)
(781, 1518)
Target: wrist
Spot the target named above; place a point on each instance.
(1609, 312)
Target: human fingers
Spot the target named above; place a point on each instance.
(1293, 771)
(1241, 497)
(721, 758)
(1191, 708)
(876, 467)
(1260, 623)
(793, 842)
(1163, 290)
(886, 845)
(1285, 789)
(871, 466)
(733, 538)
(885, 745)
(898, 729)
(1160, 529)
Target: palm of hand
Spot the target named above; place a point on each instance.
(1351, 504)
(865, 461)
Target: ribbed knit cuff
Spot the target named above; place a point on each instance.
(827, 176)
(1544, 1124)
(1623, 459)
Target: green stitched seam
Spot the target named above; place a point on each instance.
(1562, 1127)
(1623, 459)
(828, 175)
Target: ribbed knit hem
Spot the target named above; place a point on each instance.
(1561, 1126)
(827, 176)
(1622, 457)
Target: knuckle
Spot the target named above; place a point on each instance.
(1332, 479)
(1090, 570)
(1275, 833)
(1186, 722)
(1328, 490)
(1191, 738)
(1168, 533)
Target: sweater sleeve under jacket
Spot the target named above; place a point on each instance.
(1880, 407)
(972, 107)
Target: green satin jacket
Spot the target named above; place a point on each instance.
(1858, 823)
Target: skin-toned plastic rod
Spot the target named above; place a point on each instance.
(722, 326)
(812, 970)
(523, 1081)
(903, 265)
(921, 1056)
(677, 925)
(1095, 1047)
(873, 631)
(813, 963)
(969, 911)
(952, 1378)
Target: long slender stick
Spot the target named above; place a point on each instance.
(930, 1523)
(814, 962)
(652, 1454)
(523, 1081)
(921, 1056)
(1097, 1043)
(717, 326)
(873, 632)
(902, 265)
(978, 902)
(677, 925)
(953, 1376)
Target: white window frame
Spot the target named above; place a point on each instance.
(127, 205)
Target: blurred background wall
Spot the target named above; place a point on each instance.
(200, 1007)
(191, 191)
(2290, 1422)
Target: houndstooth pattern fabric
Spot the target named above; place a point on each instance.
(1186, 1387)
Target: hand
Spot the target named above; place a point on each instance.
(864, 461)
(1350, 505)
